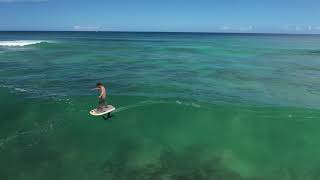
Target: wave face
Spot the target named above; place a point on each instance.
(20, 43)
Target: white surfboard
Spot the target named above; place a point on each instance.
(96, 112)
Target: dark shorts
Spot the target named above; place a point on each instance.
(102, 103)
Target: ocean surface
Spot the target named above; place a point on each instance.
(189, 106)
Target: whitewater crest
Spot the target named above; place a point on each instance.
(20, 43)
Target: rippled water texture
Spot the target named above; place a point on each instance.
(188, 106)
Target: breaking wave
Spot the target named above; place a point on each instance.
(20, 43)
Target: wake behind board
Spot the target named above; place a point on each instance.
(96, 112)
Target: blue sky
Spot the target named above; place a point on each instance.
(286, 16)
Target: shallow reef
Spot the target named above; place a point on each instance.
(189, 164)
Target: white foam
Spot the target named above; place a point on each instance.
(20, 89)
(195, 105)
(20, 43)
(14, 88)
(178, 102)
(5, 86)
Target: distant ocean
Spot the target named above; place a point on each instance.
(188, 106)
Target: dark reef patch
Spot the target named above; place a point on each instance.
(170, 164)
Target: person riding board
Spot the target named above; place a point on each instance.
(102, 98)
(102, 108)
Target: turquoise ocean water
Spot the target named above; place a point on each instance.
(189, 106)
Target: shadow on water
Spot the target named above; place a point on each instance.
(106, 117)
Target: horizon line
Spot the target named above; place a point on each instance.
(185, 32)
